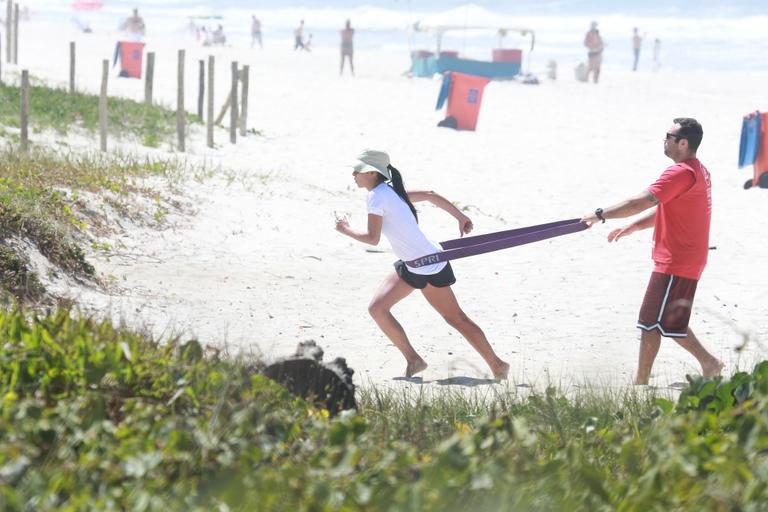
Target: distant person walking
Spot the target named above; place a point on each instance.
(637, 43)
(205, 36)
(681, 202)
(298, 36)
(391, 213)
(255, 32)
(347, 47)
(594, 44)
(134, 27)
(656, 54)
(219, 37)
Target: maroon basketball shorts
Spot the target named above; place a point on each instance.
(667, 305)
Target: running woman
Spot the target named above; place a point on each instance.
(391, 212)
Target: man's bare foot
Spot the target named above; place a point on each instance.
(500, 371)
(415, 367)
(640, 381)
(712, 369)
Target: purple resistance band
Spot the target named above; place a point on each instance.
(480, 244)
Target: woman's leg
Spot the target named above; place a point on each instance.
(445, 303)
(391, 291)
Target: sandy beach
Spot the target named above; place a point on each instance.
(258, 267)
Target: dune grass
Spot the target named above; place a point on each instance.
(40, 203)
(425, 416)
(59, 110)
(94, 417)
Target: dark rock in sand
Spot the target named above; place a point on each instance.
(305, 375)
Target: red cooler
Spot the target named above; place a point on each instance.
(507, 55)
(130, 58)
(465, 98)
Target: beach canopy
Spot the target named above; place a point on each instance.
(464, 16)
(87, 5)
(469, 17)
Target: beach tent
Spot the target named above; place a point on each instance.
(475, 20)
(83, 7)
(468, 15)
(87, 5)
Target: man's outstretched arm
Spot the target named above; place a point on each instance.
(626, 208)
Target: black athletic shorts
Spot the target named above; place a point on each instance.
(442, 279)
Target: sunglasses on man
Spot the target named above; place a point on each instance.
(675, 135)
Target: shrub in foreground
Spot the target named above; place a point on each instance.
(98, 418)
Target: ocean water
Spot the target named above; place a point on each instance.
(694, 35)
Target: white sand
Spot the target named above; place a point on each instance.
(261, 268)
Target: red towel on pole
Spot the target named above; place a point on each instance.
(465, 99)
(131, 53)
(761, 162)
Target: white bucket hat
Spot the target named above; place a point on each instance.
(373, 160)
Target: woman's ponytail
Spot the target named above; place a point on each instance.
(399, 188)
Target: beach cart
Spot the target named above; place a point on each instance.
(504, 63)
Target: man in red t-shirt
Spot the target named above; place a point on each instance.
(683, 199)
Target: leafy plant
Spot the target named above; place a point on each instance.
(96, 417)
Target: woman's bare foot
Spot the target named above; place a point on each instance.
(500, 371)
(415, 367)
(712, 369)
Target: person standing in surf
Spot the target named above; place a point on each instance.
(391, 212)
(595, 47)
(347, 47)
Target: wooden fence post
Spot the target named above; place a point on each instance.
(103, 105)
(15, 33)
(201, 90)
(150, 75)
(209, 120)
(180, 102)
(71, 67)
(233, 106)
(244, 102)
(224, 109)
(24, 110)
(8, 30)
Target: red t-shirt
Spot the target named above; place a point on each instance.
(681, 232)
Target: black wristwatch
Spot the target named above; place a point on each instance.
(599, 214)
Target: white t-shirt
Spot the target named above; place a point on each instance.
(400, 227)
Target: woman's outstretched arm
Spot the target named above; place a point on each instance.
(465, 223)
(371, 236)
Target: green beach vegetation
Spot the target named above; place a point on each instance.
(99, 418)
(42, 203)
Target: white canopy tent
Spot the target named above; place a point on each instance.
(469, 17)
